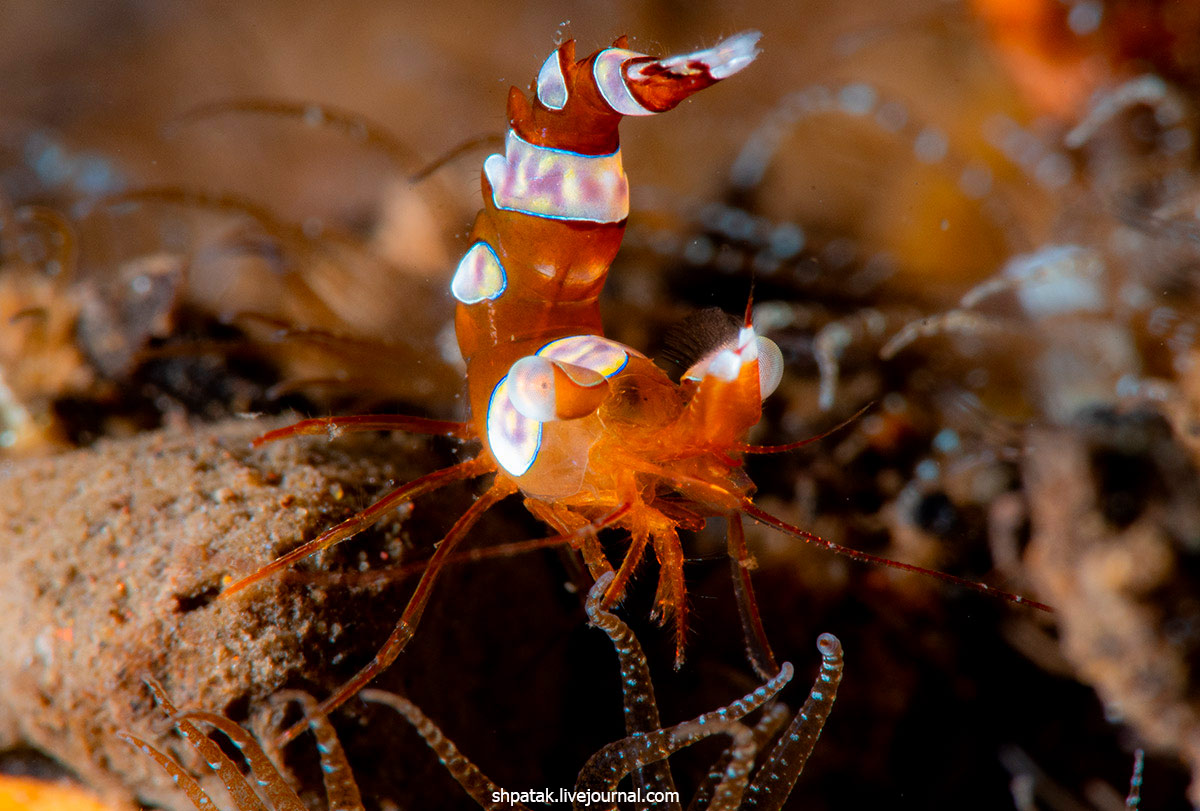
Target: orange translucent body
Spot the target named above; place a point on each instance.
(646, 439)
(650, 437)
(651, 455)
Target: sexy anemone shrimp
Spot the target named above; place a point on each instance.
(588, 430)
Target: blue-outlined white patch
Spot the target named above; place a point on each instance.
(551, 84)
(558, 184)
(513, 438)
(480, 275)
(610, 80)
(589, 351)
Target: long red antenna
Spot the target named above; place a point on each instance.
(764, 517)
(800, 443)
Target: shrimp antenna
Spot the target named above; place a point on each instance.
(763, 517)
(800, 443)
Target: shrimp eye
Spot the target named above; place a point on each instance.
(770, 366)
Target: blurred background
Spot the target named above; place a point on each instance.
(978, 216)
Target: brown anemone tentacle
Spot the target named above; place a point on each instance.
(776, 777)
(637, 688)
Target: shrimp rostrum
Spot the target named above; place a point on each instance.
(590, 431)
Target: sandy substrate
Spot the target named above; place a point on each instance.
(113, 558)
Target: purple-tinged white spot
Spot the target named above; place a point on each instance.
(551, 84)
(589, 351)
(513, 438)
(558, 184)
(610, 81)
(480, 275)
